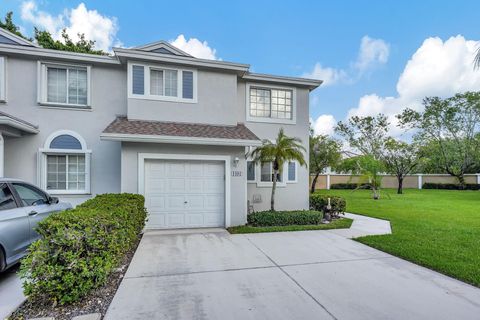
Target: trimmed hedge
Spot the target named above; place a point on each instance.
(348, 186)
(79, 248)
(450, 186)
(319, 202)
(284, 218)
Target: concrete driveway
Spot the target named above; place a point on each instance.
(11, 293)
(210, 274)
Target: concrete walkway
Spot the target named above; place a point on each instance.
(210, 274)
(11, 293)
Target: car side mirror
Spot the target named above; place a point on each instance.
(53, 200)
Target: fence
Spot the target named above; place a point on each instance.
(414, 181)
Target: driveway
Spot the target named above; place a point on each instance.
(210, 274)
(11, 293)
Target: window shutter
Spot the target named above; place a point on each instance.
(138, 80)
(187, 85)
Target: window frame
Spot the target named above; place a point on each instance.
(250, 118)
(46, 151)
(296, 172)
(43, 85)
(146, 83)
(254, 171)
(3, 79)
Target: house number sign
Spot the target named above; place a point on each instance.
(236, 173)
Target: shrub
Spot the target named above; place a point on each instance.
(79, 248)
(450, 186)
(284, 218)
(319, 202)
(349, 186)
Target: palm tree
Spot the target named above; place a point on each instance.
(278, 153)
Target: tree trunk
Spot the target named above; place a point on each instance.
(400, 185)
(461, 179)
(376, 194)
(314, 183)
(274, 186)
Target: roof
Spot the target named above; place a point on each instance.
(16, 40)
(163, 47)
(17, 123)
(310, 83)
(124, 129)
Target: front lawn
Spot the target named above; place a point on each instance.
(335, 224)
(439, 229)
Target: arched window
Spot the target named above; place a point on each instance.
(66, 164)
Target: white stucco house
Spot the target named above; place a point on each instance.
(151, 120)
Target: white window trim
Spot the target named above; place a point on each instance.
(146, 83)
(296, 172)
(267, 119)
(3, 79)
(266, 184)
(46, 150)
(42, 85)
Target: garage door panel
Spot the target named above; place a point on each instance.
(185, 194)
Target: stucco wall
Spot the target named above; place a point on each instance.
(108, 99)
(238, 198)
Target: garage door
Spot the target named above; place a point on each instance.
(185, 194)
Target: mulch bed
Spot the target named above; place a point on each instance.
(96, 302)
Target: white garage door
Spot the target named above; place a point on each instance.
(185, 194)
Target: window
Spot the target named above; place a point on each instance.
(251, 171)
(29, 195)
(292, 171)
(65, 85)
(3, 79)
(66, 164)
(266, 173)
(162, 83)
(271, 103)
(7, 201)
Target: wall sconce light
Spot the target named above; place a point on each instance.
(236, 160)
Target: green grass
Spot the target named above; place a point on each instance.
(336, 224)
(438, 229)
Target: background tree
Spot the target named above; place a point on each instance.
(324, 152)
(452, 127)
(366, 135)
(369, 170)
(12, 27)
(284, 149)
(400, 159)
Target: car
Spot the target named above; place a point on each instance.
(22, 207)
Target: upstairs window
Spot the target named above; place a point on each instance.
(162, 83)
(65, 85)
(3, 79)
(270, 104)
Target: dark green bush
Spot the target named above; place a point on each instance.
(79, 248)
(284, 218)
(349, 186)
(450, 186)
(319, 202)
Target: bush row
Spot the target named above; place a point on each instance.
(450, 186)
(319, 202)
(348, 186)
(79, 248)
(284, 218)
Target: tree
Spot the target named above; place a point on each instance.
(278, 153)
(369, 169)
(365, 134)
(476, 61)
(324, 152)
(400, 159)
(12, 27)
(451, 126)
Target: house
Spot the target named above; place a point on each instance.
(151, 120)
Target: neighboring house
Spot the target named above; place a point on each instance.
(151, 120)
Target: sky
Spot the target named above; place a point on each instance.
(374, 56)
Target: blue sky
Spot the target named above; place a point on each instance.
(290, 38)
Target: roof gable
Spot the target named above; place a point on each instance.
(7, 37)
(163, 47)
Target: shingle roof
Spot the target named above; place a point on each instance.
(122, 125)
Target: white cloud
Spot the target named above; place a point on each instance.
(372, 52)
(324, 124)
(195, 47)
(328, 75)
(95, 26)
(437, 68)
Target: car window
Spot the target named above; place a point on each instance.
(7, 201)
(30, 196)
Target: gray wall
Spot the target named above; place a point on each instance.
(238, 200)
(108, 99)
